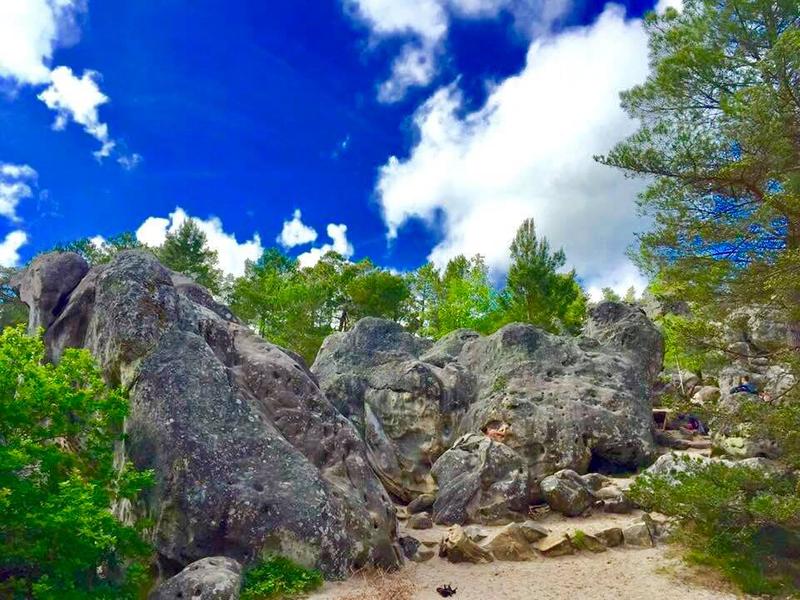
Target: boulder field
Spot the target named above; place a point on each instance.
(256, 453)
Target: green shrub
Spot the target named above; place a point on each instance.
(278, 577)
(743, 521)
(58, 427)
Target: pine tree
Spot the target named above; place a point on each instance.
(186, 251)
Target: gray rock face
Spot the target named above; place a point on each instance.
(248, 453)
(627, 328)
(213, 578)
(406, 409)
(480, 481)
(567, 493)
(45, 286)
(568, 402)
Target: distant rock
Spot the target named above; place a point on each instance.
(213, 578)
(249, 455)
(457, 547)
(565, 402)
(566, 492)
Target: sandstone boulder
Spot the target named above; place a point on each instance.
(567, 493)
(407, 410)
(213, 578)
(480, 481)
(457, 547)
(248, 453)
(511, 543)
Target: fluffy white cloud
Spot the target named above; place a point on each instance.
(528, 153)
(29, 32)
(9, 248)
(15, 185)
(663, 5)
(77, 99)
(232, 254)
(425, 24)
(339, 243)
(295, 232)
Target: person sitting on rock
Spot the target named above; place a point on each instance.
(745, 386)
(496, 431)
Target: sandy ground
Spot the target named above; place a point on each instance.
(623, 573)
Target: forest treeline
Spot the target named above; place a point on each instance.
(297, 307)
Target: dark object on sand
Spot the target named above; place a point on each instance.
(445, 591)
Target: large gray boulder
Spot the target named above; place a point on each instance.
(480, 481)
(626, 327)
(406, 409)
(45, 285)
(571, 403)
(213, 578)
(567, 402)
(249, 455)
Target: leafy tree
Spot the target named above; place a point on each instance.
(58, 427)
(535, 291)
(12, 310)
(609, 295)
(186, 251)
(422, 304)
(95, 254)
(377, 293)
(282, 303)
(630, 295)
(720, 120)
(467, 297)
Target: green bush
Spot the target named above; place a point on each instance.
(58, 427)
(278, 577)
(743, 521)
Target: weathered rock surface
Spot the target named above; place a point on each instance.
(556, 545)
(407, 410)
(248, 453)
(567, 493)
(480, 481)
(420, 521)
(457, 547)
(638, 534)
(511, 543)
(611, 537)
(627, 328)
(46, 284)
(212, 578)
(568, 402)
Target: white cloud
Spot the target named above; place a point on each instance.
(15, 185)
(78, 100)
(232, 254)
(528, 153)
(29, 32)
(295, 232)
(129, 161)
(424, 24)
(339, 243)
(9, 248)
(663, 5)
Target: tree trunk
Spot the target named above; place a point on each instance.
(793, 294)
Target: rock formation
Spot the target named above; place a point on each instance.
(249, 455)
(567, 402)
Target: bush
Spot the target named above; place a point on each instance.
(278, 577)
(742, 521)
(58, 427)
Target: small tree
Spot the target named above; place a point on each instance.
(609, 295)
(186, 251)
(96, 253)
(58, 427)
(535, 291)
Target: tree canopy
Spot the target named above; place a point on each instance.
(58, 482)
(186, 251)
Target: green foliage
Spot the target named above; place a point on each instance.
(535, 291)
(278, 577)
(720, 116)
(186, 251)
(96, 254)
(737, 519)
(630, 295)
(610, 295)
(12, 310)
(58, 428)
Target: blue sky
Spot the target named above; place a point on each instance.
(400, 129)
